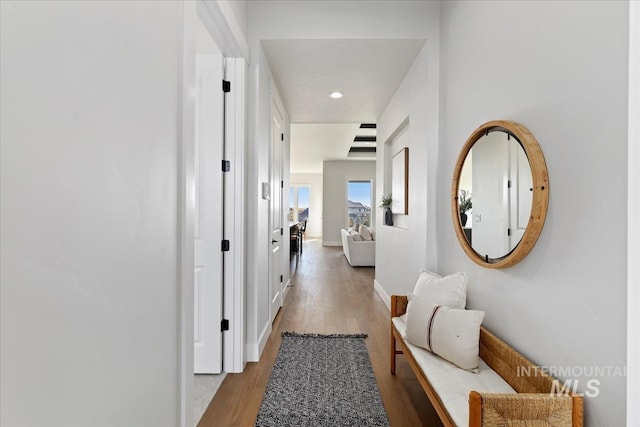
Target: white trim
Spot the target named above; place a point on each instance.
(234, 293)
(219, 19)
(186, 209)
(255, 350)
(264, 337)
(633, 230)
(286, 290)
(382, 294)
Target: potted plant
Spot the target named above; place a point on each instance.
(464, 204)
(386, 205)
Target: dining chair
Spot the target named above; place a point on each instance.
(295, 239)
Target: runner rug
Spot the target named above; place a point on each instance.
(322, 380)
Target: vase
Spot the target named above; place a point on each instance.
(463, 219)
(388, 217)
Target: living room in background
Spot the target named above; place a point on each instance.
(359, 202)
(299, 196)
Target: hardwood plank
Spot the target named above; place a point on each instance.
(327, 296)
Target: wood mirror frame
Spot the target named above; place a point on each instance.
(540, 202)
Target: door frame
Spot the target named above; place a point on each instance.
(228, 36)
(233, 341)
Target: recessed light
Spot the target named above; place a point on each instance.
(336, 95)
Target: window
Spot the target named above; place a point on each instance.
(299, 203)
(303, 203)
(292, 204)
(359, 202)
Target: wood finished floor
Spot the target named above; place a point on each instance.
(326, 296)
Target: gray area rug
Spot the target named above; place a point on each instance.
(322, 380)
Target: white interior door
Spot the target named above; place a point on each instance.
(490, 206)
(276, 225)
(521, 193)
(208, 215)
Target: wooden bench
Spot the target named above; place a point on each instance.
(534, 403)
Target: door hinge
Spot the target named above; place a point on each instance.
(509, 184)
(281, 279)
(225, 245)
(282, 137)
(226, 165)
(281, 184)
(224, 325)
(508, 232)
(226, 86)
(282, 231)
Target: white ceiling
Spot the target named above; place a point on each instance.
(367, 72)
(313, 143)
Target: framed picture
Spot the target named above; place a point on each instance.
(400, 181)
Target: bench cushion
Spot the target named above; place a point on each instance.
(451, 383)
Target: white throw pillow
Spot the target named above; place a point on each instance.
(449, 290)
(356, 237)
(357, 227)
(452, 334)
(365, 232)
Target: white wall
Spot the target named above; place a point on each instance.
(258, 325)
(261, 91)
(335, 177)
(559, 68)
(314, 182)
(410, 243)
(633, 233)
(89, 312)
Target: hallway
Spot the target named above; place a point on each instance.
(326, 296)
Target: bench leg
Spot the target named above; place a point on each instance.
(393, 353)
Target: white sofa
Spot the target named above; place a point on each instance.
(358, 252)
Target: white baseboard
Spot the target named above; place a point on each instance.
(383, 295)
(254, 350)
(262, 341)
(285, 291)
(331, 243)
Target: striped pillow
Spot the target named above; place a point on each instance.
(450, 333)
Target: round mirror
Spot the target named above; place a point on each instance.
(500, 194)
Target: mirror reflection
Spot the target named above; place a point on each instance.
(495, 194)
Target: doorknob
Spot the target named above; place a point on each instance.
(274, 241)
